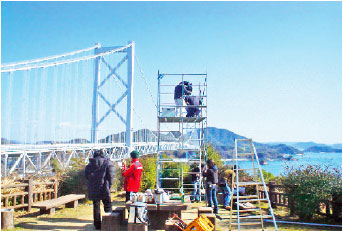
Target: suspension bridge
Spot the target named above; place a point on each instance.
(49, 103)
(66, 106)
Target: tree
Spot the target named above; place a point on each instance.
(214, 155)
(267, 176)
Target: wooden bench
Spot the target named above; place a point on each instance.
(48, 207)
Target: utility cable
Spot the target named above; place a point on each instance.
(145, 81)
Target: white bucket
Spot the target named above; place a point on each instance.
(158, 198)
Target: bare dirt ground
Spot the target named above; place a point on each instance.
(81, 219)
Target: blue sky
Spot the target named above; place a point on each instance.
(274, 68)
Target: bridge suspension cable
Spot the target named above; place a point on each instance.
(68, 61)
(148, 88)
(50, 57)
(48, 117)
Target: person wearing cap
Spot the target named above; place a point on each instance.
(99, 173)
(132, 175)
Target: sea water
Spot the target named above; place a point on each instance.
(276, 167)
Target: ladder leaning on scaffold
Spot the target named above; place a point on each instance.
(251, 214)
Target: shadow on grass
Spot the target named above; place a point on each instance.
(36, 214)
(68, 220)
(118, 203)
(53, 226)
(301, 227)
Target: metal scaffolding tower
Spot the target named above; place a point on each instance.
(177, 124)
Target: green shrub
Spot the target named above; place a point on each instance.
(308, 185)
(149, 172)
(173, 170)
(73, 180)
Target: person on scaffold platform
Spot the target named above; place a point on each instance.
(193, 105)
(183, 89)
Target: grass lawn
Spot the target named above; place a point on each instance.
(82, 219)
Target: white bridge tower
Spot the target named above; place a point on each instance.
(98, 83)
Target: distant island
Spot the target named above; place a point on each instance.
(322, 149)
(312, 146)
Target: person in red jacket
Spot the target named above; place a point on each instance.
(132, 175)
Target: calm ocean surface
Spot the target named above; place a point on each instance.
(276, 167)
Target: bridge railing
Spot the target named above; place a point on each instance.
(39, 159)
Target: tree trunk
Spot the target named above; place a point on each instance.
(7, 218)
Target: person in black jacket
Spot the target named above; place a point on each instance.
(211, 173)
(181, 90)
(99, 173)
(193, 103)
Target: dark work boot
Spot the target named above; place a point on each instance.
(97, 225)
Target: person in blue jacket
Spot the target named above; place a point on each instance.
(224, 181)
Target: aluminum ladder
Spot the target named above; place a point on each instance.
(241, 219)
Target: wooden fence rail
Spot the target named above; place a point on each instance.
(26, 195)
(278, 198)
(276, 195)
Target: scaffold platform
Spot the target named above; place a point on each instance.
(181, 119)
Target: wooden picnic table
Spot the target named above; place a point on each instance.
(158, 214)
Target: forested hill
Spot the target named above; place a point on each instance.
(222, 137)
(224, 140)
